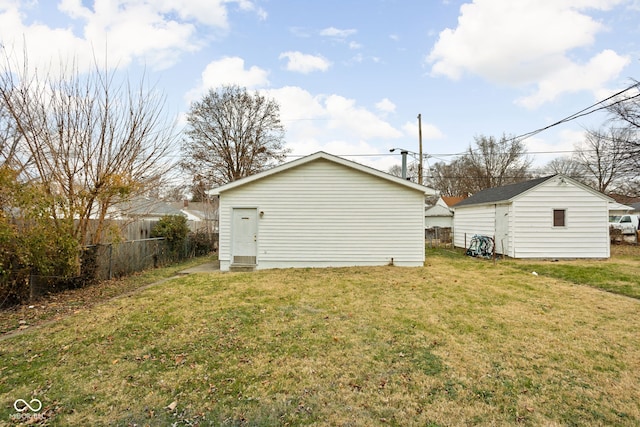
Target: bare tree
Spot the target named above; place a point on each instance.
(9, 140)
(494, 163)
(412, 171)
(626, 107)
(232, 134)
(451, 179)
(625, 113)
(91, 141)
(604, 158)
(567, 166)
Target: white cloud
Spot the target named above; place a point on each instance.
(155, 33)
(527, 42)
(36, 39)
(250, 6)
(386, 106)
(331, 115)
(337, 33)
(575, 77)
(429, 131)
(333, 124)
(358, 58)
(305, 64)
(228, 71)
(344, 114)
(543, 150)
(302, 113)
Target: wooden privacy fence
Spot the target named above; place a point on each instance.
(119, 229)
(106, 261)
(103, 262)
(121, 259)
(139, 229)
(124, 258)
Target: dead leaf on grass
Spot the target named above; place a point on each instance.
(172, 406)
(180, 359)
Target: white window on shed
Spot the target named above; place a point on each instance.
(559, 217)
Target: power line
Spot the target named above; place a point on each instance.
(437, 155)
(584, 112)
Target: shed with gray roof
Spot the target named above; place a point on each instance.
(548, 217)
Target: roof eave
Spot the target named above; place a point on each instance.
(312, 157)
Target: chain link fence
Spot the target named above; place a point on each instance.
(437, 237)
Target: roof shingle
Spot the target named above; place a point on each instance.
(502, 194)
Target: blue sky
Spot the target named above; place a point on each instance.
(351, 76)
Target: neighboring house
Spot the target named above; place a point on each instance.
(201, 216)
(136, 217)
(618, 209)
(438, 215)
(451, 201)
(550, 217)
(142, 208)
(321, 211)
(635, 207)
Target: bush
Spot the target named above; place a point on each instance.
(30, 244)
(174, 229)
(202, 243)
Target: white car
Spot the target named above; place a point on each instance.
(628, 224)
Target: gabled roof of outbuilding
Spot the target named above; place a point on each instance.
(615, 206)
(314, 157)
(437, 210)
(507, 193)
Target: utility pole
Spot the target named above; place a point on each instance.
(420, 154)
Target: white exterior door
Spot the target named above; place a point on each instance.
(502, 229)
(244, 242)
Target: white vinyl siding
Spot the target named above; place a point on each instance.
(325, 214)
(438, 221)
(584, 235)
(531, 230)
(468, 221)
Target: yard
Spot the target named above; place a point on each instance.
(459, 342)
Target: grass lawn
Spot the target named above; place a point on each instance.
(459, 342)
(620, 274)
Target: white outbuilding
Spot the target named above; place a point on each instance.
(438, 215)
(549, 217)
(320, 211)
